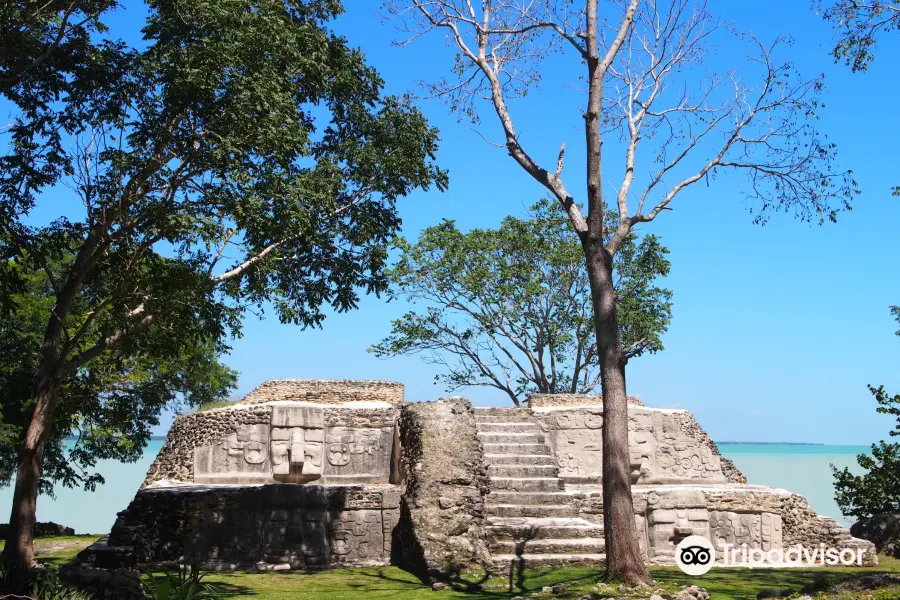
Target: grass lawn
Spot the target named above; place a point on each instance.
(391, 582)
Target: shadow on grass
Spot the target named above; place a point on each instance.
(487, 587)
(745, 584)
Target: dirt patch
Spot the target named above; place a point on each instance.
(44, 547)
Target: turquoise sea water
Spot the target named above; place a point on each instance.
(799, 468)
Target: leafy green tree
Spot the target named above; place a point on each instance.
(878, 489)
(45, 39)
(510, 308)
(111, 405)
(241, 155)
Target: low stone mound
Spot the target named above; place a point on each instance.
(571, 400)
(48, 529)
(326, 391)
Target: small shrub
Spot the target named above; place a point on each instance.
(186, 584)
(47, 586)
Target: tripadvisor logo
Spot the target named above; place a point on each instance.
(695, 555)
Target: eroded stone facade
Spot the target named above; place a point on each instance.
(317, 474)
(280, 442)
(662, 449)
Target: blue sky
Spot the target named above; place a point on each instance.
(776, 330)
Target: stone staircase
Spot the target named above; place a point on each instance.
(531, 520)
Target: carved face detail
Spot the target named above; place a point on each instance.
(255, 452)
(593, 421)
(338, 454)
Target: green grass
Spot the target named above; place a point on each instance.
(391, 582)
(212, 405)
(60, 556)
(396, 584)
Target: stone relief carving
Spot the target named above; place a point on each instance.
(357, 535)
(249, 443)
(757, 530)
(671, 518)
(297, 447)
(346, 443)
(240, 457)
(579, 452)
(298, 435)
(659, 450)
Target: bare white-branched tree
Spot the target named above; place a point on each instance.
(678, 120)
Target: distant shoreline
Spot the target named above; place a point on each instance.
(771, 443)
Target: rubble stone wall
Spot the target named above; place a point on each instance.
(279, 526)
(441, 528)
(326, 391)
(692, 429)
(800, 523)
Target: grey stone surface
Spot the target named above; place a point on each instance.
(441, 528)
(225, 527)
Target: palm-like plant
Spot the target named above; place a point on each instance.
(185, 584)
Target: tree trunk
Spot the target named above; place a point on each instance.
(624, 562)
(18, 555)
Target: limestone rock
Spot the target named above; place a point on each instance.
(442, 513)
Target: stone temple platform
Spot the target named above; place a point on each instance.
(309, 474)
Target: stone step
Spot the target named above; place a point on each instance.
(573, 546)
(486, 419)
(503, 563)
(519, 459)
(493, 437)
(531, 510)
(513, 497)
(524, 449)
(523, 471)
(502, 427)
(518, 529)
(528, 484)
(481, 411)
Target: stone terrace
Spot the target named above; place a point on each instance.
(326, 391)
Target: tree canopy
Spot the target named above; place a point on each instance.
(241, 155)
(510, 308)
(877, 490)
(112, 403)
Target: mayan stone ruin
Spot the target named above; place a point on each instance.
(310, 474)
